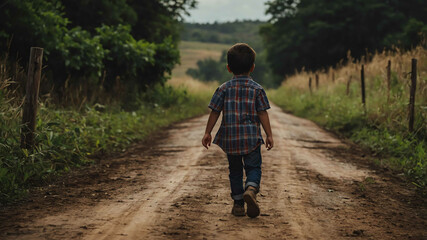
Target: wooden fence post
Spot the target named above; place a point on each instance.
(412, 95)
(31, 98)
(309, 85)
(388, 80)
(348, 85)
(362, 79)
(317, 81)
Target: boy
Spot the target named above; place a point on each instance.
(243, 103)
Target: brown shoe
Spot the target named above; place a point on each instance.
(250, 199)
(238, 210)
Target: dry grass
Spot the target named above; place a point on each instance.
(383, 105)
(400, 66)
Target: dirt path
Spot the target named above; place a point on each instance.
(314, 187)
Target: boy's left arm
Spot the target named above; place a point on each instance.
(262, 105)
(207, 138)
(265, 121)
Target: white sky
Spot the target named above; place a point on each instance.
(227, 10)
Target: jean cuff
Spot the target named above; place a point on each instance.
(237, 197)
(253, 184)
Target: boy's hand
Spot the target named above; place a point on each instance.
(206, 141)
(269, 143)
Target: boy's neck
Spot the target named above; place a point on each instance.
(242, 75)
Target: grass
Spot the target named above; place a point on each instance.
(68, 138)
(384, 127)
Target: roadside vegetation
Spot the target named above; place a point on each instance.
(332, 40)
(69, 137)
(316, 34)
(384, 127)
(103, 87)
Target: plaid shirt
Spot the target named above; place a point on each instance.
(240, 99)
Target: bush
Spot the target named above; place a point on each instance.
(82, 53)
(79, 58)
(125, 56)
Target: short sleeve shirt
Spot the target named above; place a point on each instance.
(239, 100)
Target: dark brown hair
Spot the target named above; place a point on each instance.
(240, 58)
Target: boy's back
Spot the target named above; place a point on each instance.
(240, 99)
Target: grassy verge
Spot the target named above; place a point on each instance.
(384, 127)
(67, 138)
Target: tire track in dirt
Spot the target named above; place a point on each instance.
(313, 187)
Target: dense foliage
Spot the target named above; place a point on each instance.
(318, 33)
(118, 53)
(94, 43)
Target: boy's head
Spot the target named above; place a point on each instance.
(241, 59)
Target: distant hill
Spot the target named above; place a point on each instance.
(229, 32)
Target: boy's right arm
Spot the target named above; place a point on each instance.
(207, 138)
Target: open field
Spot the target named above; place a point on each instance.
(191, 52)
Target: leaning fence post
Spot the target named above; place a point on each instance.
(412, 95)
(388, 80)
(309, 85)
(362, 79)
(31, 98)
(317, 81)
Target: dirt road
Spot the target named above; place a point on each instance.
(314, 186)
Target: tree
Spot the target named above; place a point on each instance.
(94, 13)
(159, 18)
(90, 42)
(318, 33)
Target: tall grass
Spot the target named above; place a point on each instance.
(384, 126)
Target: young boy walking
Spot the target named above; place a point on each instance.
(243, 103)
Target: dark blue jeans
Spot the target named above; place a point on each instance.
(252, 164)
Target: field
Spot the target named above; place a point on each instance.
(191, 52)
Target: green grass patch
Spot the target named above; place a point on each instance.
(67, 138)
(382, 129)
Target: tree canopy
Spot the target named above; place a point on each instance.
(318, 33)
(96, 41)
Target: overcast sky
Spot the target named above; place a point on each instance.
(227, 10)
